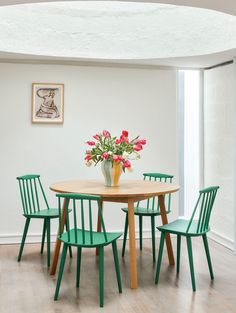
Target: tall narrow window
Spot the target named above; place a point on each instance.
(190, 138)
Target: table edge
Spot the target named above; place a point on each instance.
(148, 194)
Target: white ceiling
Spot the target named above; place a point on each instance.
(227, 6)
(120, 32)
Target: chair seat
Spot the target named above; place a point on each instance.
(98, 238)
(50, 213)
(180, 227)
(144, 211)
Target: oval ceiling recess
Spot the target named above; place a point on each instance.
(114, 30)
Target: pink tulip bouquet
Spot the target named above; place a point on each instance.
(105, 147)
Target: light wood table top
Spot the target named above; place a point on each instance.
(127, 188)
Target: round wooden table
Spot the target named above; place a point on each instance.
(129, 191)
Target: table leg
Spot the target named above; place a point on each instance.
(99, 226)
(58, 242)
(132, 245)
(165, 221)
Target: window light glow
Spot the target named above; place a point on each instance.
(191, 139)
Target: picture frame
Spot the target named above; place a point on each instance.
(48, 103)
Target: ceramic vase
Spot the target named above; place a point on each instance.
(111, 172)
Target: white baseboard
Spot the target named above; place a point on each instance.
(221, 239)
(8, 239)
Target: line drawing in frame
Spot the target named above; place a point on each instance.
(47, 103)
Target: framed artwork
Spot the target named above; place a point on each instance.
(47, 103)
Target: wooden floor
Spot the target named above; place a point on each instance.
(26, 287)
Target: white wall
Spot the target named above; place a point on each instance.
(139, 100)
(219, 120)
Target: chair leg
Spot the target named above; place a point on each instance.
(153, 238)
(43, 236)
(101, 274)
(190, 256)
(48, 226)
(161, 246)
(208, 255)
(178, 252)
(125, 235)
(78, 266)
(140, 232)
(70, 248)
(23, 238)
(70, 251)
(117, 266)
(60, 273)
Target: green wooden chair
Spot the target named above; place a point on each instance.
(150, 208)
(35, 205)
(77, 235)
(191, 228)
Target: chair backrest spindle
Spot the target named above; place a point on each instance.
(153, 203)
(90, 222)
(82, 203)
(36, 194)
(75, 220)
(67, 219)
(30, 197)
(22, 197)
(60, 216)
(41, 187)
(82, 219)
(204, 203)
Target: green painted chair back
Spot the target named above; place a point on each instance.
(32, 194)
(82, 214)
(153, 203)
(204, 207)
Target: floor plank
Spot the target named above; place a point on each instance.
(28, 287)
